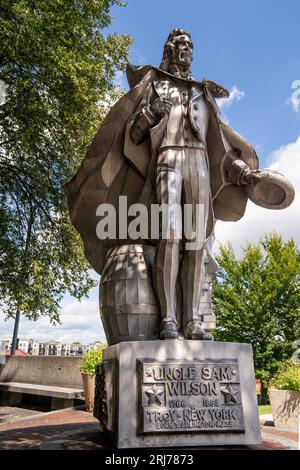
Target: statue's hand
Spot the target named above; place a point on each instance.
(160, 107)
(251, 177)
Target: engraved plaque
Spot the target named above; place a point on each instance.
(190, 396)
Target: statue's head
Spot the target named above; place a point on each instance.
(178, 54)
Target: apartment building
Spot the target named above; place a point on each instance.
(50, 348)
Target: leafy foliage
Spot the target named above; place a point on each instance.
(288, 377)
(90, 360)
(257, 300)
(58, 70)
(264, 409)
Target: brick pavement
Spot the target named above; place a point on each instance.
(29, 433)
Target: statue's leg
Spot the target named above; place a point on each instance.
(191, 275)
(166, 263)
(196, 192)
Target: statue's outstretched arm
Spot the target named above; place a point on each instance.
(236, 170)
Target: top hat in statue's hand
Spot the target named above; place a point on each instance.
(269, 189)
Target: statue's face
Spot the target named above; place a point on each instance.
(183, 51)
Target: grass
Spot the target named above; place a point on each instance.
(264, 409)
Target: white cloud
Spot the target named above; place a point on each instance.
(235, 95)
(120, 80)
(295, 98)
(80, 322)
(257, 221)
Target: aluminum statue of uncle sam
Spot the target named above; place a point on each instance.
(166, 143)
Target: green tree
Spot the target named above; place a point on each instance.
(257, 300)
(58, 68)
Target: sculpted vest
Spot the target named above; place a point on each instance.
(189, 116)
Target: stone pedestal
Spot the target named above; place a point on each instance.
(178, 393)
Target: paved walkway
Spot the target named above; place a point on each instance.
(287, 437)
(266, 420)
(9, 414)
(29, 433)
(75, 429)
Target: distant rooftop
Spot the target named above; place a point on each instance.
(17, 353)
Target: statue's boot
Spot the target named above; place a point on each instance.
(168, 330)
(194, 330)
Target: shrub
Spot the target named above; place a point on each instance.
(90, 360)
(288, 377)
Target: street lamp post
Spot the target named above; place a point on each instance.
(15, 334)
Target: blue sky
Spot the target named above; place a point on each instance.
(254, 45)
(250, 47)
